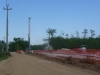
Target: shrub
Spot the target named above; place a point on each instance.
(4, 56)
(8, 54)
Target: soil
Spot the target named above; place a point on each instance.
(22, 64)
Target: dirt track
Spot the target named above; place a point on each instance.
(20, 64)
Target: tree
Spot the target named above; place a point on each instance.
(62, 33)
(12, 46)
(67, 36)
(59, 41)
(1, 46)
(38, 47)
(72, 36)
(92, 33)
(98, 36)
(51, 32)
(85, 33)
(17, 47)
(77, 33)
(18, 43)
(46, 41)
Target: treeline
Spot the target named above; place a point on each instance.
(58, 42)
(64, 41)
(19, 44)
(38, 47)
(16, 44)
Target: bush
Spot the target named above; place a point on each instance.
(4, 55)
(8, 54)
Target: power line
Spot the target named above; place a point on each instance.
(6, 1)
(15, 3)
(10, 1)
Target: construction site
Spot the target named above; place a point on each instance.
(50, 37)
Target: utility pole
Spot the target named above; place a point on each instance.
(7, 5)
(29, 33)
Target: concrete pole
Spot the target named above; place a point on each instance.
(29, 34)
(7, 27)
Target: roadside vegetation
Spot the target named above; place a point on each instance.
(4, 55)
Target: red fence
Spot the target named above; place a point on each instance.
(20, 51)
(77, 54)
(30, 51)
(87, 53)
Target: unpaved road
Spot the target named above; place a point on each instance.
(20, 64)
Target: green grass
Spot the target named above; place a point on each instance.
(4, 56)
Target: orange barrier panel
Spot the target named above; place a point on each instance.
(30, 51)
(20, 51)
(77, 54)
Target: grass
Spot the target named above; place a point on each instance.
(4, 55)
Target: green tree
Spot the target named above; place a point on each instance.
(67, 35)
(18, 43)
(85, 33)
(77, 33)
(92, 33)
(38, 47)
(72, 36)
(59, 41)
(51, 32)
(1, 46)
(98, 36)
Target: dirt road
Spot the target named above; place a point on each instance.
(20, 64)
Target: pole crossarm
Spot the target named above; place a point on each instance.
(7, 7)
